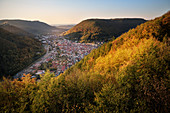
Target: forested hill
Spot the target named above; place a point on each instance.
(17, 51)
(129, 74)
(92, 30)
(34, 27)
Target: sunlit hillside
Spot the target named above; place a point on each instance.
(92, 30)
(129, 74)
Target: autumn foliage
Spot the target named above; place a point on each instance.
(129, 74)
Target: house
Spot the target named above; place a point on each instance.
(39, 72)
(63, 68)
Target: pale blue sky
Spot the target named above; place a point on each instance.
(74, 11)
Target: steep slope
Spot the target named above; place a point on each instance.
(130, 73)
(34, 27)
(16, 52)
(15, 30)
(92, 30)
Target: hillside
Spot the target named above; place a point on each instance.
(33, 27)
(92, 30)
(15, 30)
(129, 74)
(17, 51)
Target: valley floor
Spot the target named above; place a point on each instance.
(60, 55)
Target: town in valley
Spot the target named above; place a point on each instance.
(61, 54)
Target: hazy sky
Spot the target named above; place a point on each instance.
(74, 11)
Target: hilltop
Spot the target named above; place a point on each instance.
(33, 27)
(92, 30)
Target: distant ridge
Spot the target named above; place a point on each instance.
(15, 30)
(92, 30)
(34, 27)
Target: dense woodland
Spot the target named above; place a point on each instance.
(129, 74)
(93, 30)
(17, 50)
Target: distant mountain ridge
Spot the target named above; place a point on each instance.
(15, 30)
(34, 27)
(92, 30)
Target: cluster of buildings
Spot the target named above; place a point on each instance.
(61, 54)
(74, 50)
